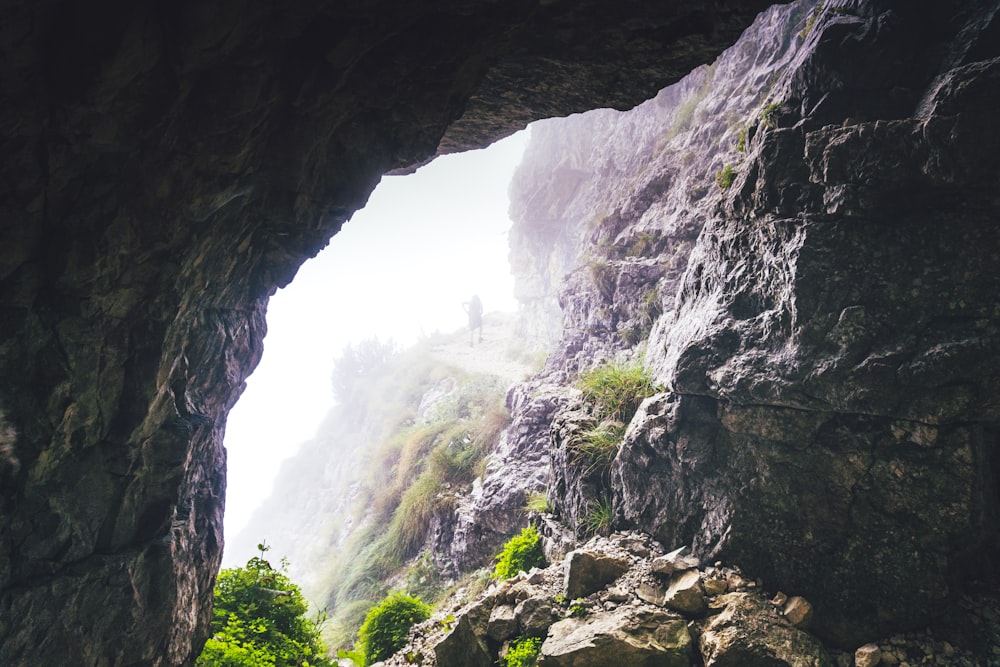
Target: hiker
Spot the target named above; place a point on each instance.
(474, 308)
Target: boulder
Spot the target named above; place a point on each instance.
(462, 647)
(534, 616)
(685, 593)
(637, 637)
(503, 623)
(798, 611)
(588, 572)
(868, 655)
(673, 562)
(748, 632)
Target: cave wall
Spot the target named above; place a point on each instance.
(830, 329)
(165, 168)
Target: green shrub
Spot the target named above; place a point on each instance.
(520, 553)
(388, 623)
(741, 140)
(523, 652)
(725, 176)
(615, 390)
(259, 618)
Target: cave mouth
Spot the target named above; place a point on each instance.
(407, 259)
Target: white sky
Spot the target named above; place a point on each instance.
(400, 268)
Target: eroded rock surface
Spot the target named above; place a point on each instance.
(165, 169)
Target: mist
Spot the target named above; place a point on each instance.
(400, 269)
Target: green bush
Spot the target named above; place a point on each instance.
(520, 553)
(388, 623)
(259, 620)
(523, 652)
(767, 113)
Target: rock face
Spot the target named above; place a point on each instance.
(165, 169)
(813, 219)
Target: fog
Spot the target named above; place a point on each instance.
(399, 269)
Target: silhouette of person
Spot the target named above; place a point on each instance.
(474, 308)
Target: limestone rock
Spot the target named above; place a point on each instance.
(798, 611)
(588, 572)
(715, 586)
(653, 593)
(535, 615)
(749, 633)
(868, 655)
(503, 623)
(625, 636)
(685, 593)
(463, 647)
(673, 562)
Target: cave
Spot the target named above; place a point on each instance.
(167, 168)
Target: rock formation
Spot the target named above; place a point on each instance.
(824, 319)
(802, 236)
(165, 169)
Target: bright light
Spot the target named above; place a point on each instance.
(400, 268)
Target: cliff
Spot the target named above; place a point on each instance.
(795, 241)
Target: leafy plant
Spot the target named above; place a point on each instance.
(259, 619)
(388, 624)
(520, 553)
(741, 140)
(725, 176)
(523, 652)
(600, 517)
(577, 609)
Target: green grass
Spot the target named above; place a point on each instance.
(767, 113)
(523, 652)
(537, 501)
(595, 448)
(600, 517)
(614, 391)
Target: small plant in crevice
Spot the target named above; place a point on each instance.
(578, 608)
(652, 305)
(725, 176)
(599, 518)
(523, 652)
(603, 276)
(741, 140)
(614, 391)
(811, 21)
(520, 553)
(767, 113)
(595, 448)
(537, 501)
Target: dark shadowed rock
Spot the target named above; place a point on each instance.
(588, 572)
(166, 168)
(748, 632)
(463, 647)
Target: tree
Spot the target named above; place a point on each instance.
(259, 620)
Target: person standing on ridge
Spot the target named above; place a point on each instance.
(474, 308)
